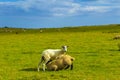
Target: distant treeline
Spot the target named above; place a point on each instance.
(111, 28)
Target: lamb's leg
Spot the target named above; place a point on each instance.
(67, 67)
(48, 62)
(71, 66)
(55, 68)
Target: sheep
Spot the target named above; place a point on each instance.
(51, 54)
(61, 62)
(117, 37)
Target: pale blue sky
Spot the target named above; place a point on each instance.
(58, 13)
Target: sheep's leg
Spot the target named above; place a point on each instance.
(42, 59)
(39, 66)
(44, 64)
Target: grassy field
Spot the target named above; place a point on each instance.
(96, 54)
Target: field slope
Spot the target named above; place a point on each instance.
(97, 56)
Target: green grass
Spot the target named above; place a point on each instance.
(96, 54)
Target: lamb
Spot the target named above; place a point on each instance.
(51, 54)
(61, 62)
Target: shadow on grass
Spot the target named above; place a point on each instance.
(30, 69)
(114, 49)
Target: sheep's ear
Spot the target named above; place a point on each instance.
(72, 58)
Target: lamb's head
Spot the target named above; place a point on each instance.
(64, 48)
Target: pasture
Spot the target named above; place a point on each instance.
(97, 56)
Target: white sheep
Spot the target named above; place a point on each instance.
(62, 62)
(51, 54)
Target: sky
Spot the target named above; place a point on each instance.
(58, 13)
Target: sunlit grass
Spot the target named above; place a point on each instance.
(96, 55)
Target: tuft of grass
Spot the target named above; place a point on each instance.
(119, 46)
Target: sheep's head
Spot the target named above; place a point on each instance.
(64, 48)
